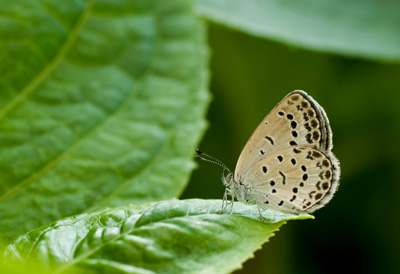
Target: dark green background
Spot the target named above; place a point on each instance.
(359, 231)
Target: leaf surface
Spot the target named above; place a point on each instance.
(188, 236)
(367, 29)
(102, 103)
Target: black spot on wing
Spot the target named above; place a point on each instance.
(283, 176)
(315, 135)
(270, 140)
(316, 154)
(295, 97)
(296, 150)
(314, 123)
(308, 138)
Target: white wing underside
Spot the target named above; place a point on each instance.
(297, 128)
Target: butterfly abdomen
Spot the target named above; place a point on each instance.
(243, 192)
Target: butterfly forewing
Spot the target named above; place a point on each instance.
(297, 120)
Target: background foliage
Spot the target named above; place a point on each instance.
(147, 61)
(357, 231)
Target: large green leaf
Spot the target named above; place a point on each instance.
(367, 29)
(31, 268)
(101, 104)
(187, 236)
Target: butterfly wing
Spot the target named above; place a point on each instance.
(287, 163)
(298, 120)
(296, 179)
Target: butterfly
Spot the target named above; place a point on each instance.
(287, 163)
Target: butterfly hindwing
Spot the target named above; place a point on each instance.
(296, 179)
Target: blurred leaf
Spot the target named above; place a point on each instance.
(188, 236)
(21, 269)
(367, 29)
(102, 103)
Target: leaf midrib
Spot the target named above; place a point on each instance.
(47, 70)
(132, 95)
(122, 234)
(150, 222)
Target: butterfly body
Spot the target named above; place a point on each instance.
(287, 164)
(242, 191)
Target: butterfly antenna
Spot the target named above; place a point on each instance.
(212, 158)
(202, 155)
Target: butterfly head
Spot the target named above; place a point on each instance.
(228, 179)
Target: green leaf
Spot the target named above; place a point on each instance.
(367, 29)
(102, 103)
(188, 236)
(21, 269)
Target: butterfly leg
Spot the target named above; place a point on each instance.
(261, 216)
(233, 200)
(224, 201)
